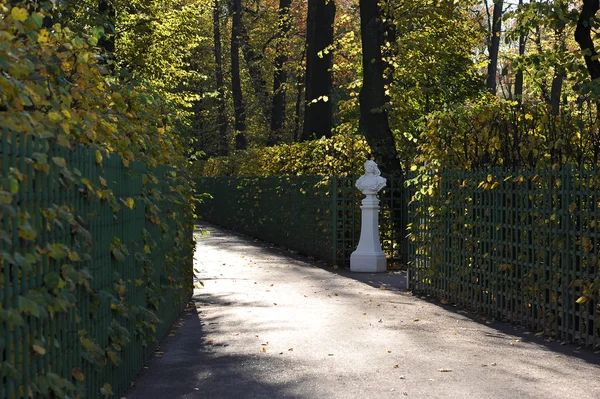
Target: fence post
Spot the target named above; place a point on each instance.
(334, 219)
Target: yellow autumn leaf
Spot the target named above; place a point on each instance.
(19, 14)
(129, 202)
(39, 349)
(60, 162)
(77, 374)
(490, 178)
(98, 157)
(54, 117)
(413, 168)
(581, 299)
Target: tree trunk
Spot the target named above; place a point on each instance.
(298, 108)
(318, 114)
(254, 60)
(519, 75)
(236, 86)
(584, 39)
(221, 117)
(559, 71)
(280, 78)
(373, 109)
(494, 45)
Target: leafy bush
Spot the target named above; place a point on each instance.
(341, 155)
(56, 99)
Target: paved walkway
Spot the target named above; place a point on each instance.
(269, 324)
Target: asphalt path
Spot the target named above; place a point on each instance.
(272, 324)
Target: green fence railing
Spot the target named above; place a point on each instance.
(82, 277)
(517, 246)
(309, 214)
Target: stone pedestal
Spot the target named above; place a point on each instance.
(368, 257)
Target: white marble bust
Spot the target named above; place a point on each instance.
(371, 182)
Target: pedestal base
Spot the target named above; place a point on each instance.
(368, 263)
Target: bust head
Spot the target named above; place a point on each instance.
(371, 168)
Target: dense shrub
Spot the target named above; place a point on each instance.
(55, 98)
(341, 155)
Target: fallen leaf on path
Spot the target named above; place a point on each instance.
(331, 354)
(264, 349)
(402, 377)
(445, 370)
(364, 314)
(416, 320)
(383, 287)
(291, 350)
(389, 351)
(396, 366)
(274, 303)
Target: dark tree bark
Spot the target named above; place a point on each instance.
(280, 78)
(374, 122)
(221, 117)
(254, 59)
(519, 75)
(559, 71)
(300, 78)
(494, 45)
(236, 86)
(318, 116)
(583, 37)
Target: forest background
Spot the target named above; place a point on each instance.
(261, 87)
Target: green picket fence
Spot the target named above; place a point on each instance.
(520, 246)
(74, 302)
(314, 216)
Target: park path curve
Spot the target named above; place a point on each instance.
(271, 324)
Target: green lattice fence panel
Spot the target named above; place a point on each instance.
(520, 246)
(316, 216)
(42, 199)
(294, 212)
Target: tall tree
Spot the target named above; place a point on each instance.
(239, 112)
(318, 114)
(374, 122)
(280, 77)
(254, 59)
(560, 72)
(522, 48)
(221, 118)
(495, 29)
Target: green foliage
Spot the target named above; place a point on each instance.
(341, 155)
(74, 129)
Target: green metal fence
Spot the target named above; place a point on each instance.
(517, 246)
(315, 216)
(44, 190)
